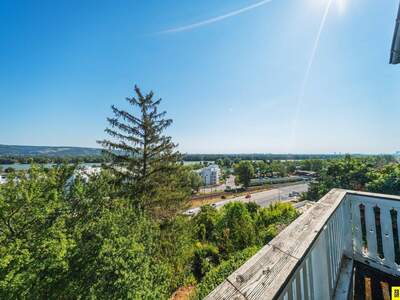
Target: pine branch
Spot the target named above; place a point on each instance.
(119, 146)
(138, 92)
(162, 124)
(157, 102)
(128, 129)
(129, 138)
(160, 148)
(126, 116)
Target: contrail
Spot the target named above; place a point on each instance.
(215, 19)
(307, 74)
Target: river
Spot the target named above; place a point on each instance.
(20, 167)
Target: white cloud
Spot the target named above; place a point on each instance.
(215, 19)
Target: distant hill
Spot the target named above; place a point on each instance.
(13, 150)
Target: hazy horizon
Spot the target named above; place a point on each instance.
(227, 153)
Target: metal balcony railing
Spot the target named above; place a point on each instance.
(313, 257)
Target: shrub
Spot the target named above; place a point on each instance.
(205, 257)
(176, 248)
(218, 274)
(267, 234)
(205, 222)
(235, 229)
(386, 180)
(252, 207)
(278, 213)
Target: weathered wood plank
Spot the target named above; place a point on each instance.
(297, 238)
(263, 276)
(225, 291)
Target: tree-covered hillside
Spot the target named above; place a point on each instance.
(15, 150)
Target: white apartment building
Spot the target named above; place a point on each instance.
(84, 172)
(3, 178)
(210, 174)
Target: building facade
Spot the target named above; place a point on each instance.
(3, 178)
(210, 174)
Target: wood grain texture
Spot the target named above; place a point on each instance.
(265, 274)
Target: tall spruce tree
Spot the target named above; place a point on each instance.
(143, 159)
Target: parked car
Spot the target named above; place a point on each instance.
(294, 194)
(248, 196)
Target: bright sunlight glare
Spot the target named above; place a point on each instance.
(341, 6)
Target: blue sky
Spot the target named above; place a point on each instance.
(230, 86)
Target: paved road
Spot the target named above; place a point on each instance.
(264, 198)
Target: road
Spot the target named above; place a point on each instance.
(263, 199)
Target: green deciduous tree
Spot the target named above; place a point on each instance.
(116, 257)
(235, 229)
(347, 173)
(195, 181)
(34, 239)
(176, 249)
(386, 180)
(205, 222)
(244, 172)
